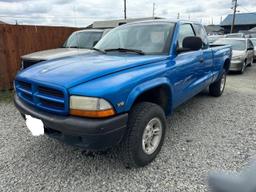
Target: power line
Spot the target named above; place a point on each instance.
(154, 5)
(125, 9)
(234, 15)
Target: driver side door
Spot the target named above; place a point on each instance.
(187, 68)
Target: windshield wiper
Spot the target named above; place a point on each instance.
(126, 50)
(99, 50)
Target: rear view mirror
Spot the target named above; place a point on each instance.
(250, 49)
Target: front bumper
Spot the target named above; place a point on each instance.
(94, 134)
(236, 65)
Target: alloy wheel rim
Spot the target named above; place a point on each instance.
(152, 136)
(223, 82)
(243, 68)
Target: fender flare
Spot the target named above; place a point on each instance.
(223, 65)
(145, 86)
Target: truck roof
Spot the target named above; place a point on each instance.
(164, 21)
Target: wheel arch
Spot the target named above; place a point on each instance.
(226, 64)
(157, 91)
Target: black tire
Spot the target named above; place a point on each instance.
(216, 89)
(250, 64)
(132, 150)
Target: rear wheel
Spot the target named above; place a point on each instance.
(217, 88)
(145, 136)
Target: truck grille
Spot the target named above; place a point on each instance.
(43, 97)
(28, 63)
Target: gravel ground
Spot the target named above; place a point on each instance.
(204, 134)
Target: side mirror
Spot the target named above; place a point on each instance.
(191, 44)
(250, 49)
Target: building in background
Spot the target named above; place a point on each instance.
(253, 29)
(214, 30)
(243, 22)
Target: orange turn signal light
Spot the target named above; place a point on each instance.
(92, 114)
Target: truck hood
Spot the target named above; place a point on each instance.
(53, 54)
(72, 71)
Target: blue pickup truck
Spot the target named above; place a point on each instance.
(121, 92)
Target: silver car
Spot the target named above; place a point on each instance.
(235, 35)
(242, 52)
(78, 42)
(212, 38)
(254, 44)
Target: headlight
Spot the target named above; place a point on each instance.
(90, 107)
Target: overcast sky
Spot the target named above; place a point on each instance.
(81, 13)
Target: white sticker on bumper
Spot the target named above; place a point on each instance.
(35, 125)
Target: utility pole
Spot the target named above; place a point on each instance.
(125, 9)
(154, 6)
(234, 15)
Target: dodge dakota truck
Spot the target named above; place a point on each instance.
(120, 93)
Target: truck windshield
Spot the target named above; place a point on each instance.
(83, 40)
(139, 38)
(238, 45)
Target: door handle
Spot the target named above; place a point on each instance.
(201, 60)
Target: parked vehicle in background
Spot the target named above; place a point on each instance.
(254, 44)
(252, 35)
(235, 35)
(242, 52)
(121, 93)
(78, 43)
(212, 38)
(248, 34)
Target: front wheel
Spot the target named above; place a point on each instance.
(217, 88)
(145, 136)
